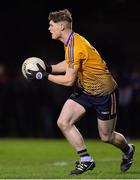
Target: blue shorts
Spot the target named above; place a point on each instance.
(105, 106)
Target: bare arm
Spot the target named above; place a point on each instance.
(67, 80)
(59, 68)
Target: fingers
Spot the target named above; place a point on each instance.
(30, 71)
(35, 74)
(39, 67)
(29, 76)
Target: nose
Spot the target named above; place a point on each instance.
(49, 28)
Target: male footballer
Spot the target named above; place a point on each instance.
(95, 88)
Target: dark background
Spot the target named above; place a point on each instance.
(31, 109)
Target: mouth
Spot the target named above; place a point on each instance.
(51, 33)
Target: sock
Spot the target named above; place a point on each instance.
(86, 158)
(84, 155)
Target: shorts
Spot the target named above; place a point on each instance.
(106, 107)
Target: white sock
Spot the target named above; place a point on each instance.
(86, 158)
(130, 149)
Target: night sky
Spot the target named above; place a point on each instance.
(111, 26)
(24, 28)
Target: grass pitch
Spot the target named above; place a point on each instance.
(54, 159)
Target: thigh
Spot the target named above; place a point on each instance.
(71, 112)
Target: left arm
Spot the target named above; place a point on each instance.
(67, 80)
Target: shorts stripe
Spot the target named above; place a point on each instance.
(113, 103)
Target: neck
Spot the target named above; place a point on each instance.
(65, 36)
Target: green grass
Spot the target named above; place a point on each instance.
(53, 159)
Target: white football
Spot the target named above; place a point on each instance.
(31, 64)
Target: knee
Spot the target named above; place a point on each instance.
(62, 124)
(106, 138)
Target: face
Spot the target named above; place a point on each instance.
(55, 29)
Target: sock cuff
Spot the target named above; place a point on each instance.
(126, 148)
(82, 151)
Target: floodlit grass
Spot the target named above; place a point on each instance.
(54, 159)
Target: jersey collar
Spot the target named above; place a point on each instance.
(69, 37)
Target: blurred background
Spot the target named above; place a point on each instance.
(31, 108)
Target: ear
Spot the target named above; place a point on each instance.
(62, 26)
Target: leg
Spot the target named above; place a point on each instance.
(71, 112)
(108, 135)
